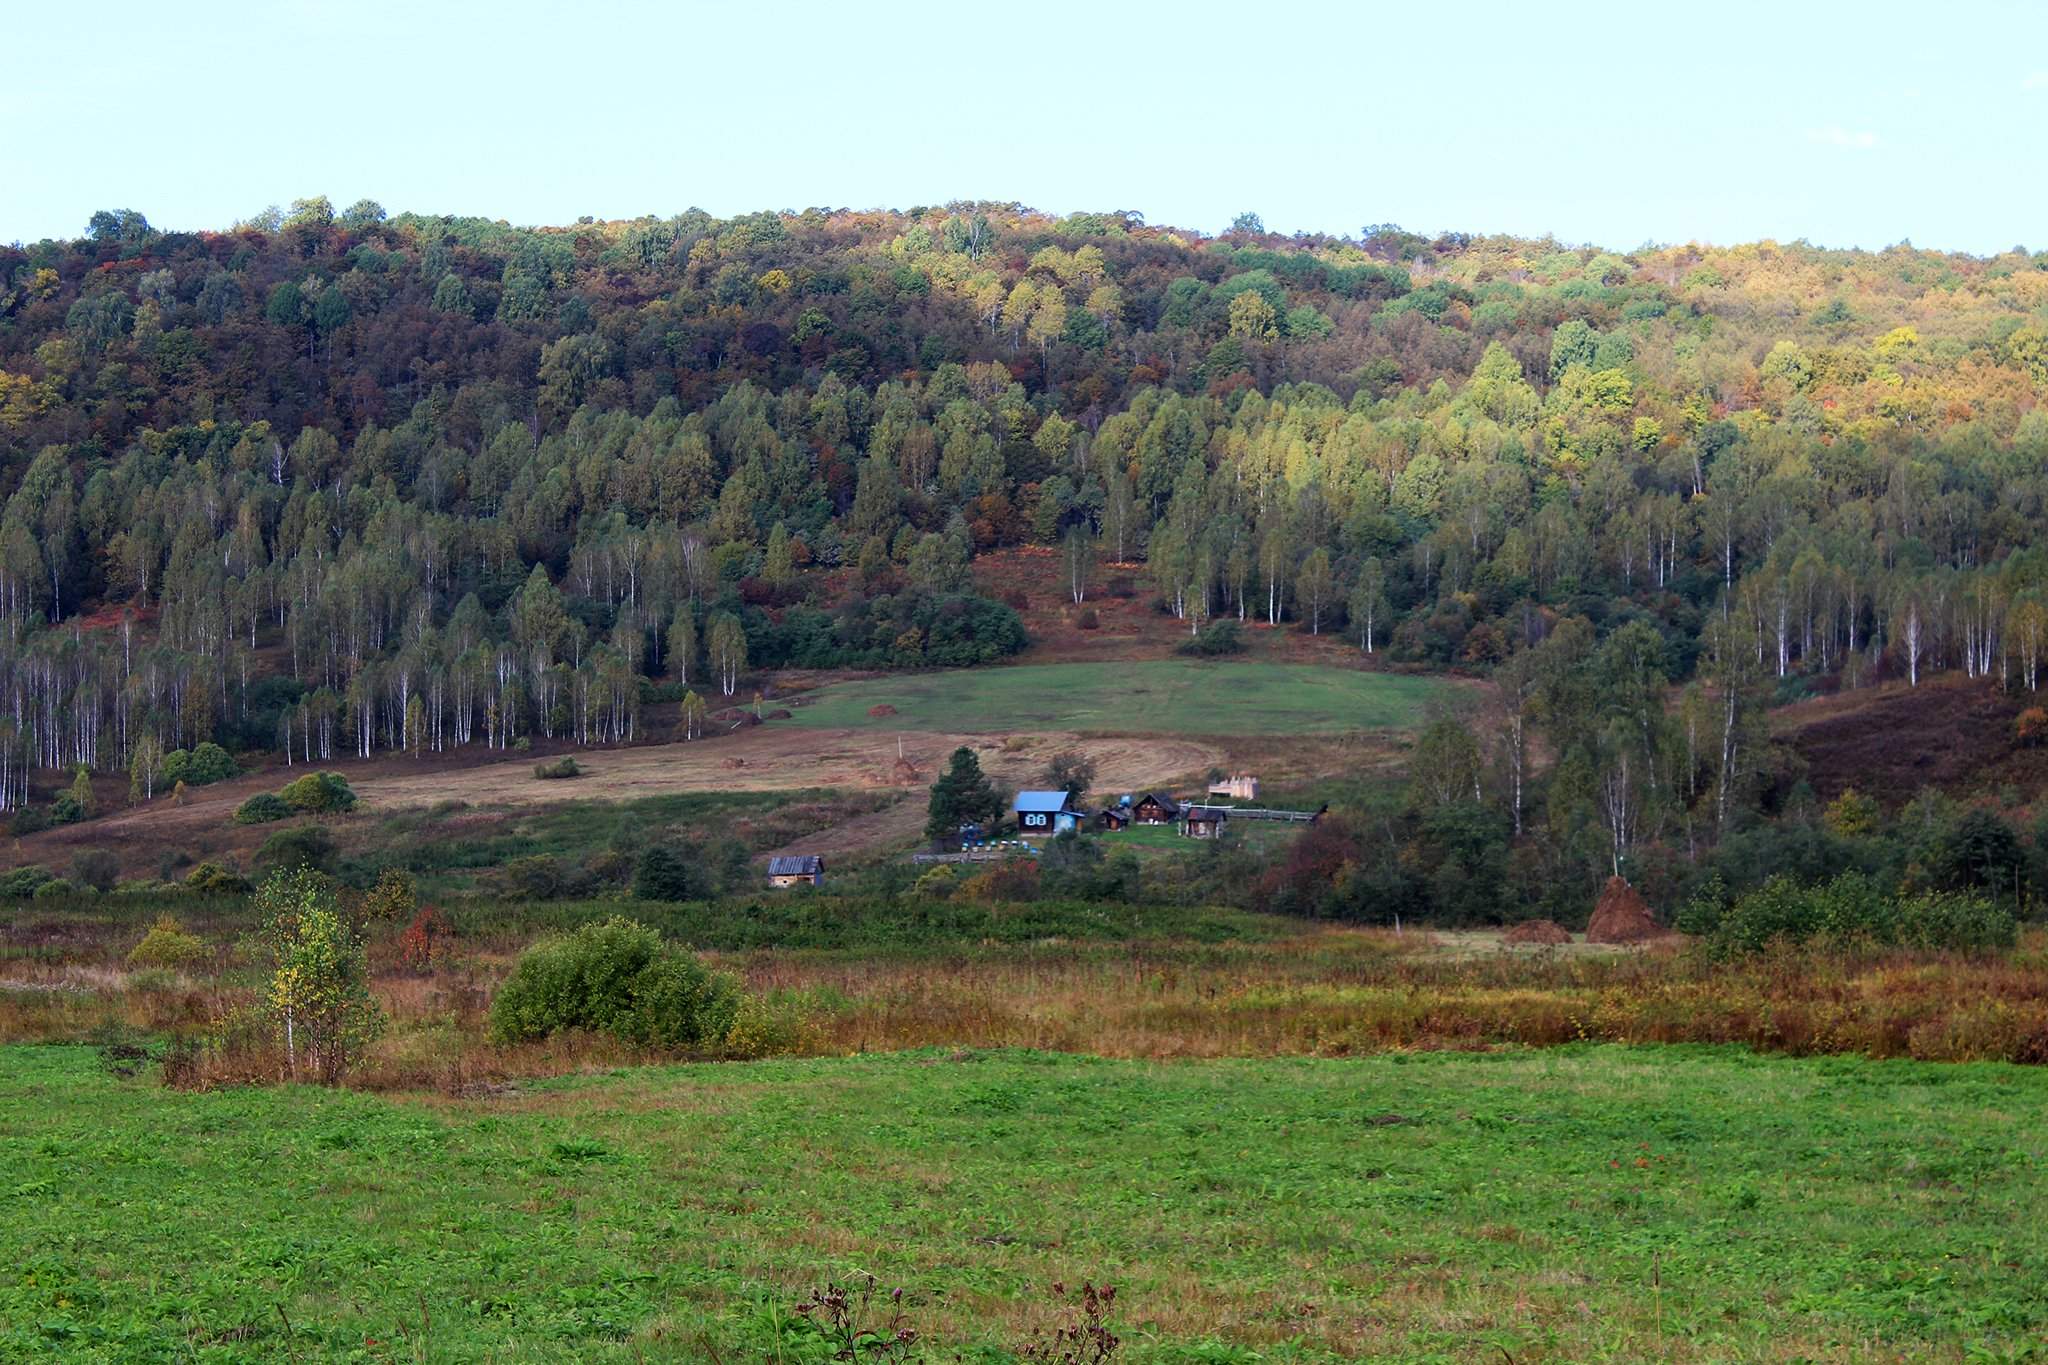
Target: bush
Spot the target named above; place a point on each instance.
(97, 869)
(262, 809)
(394, 897)
(199, 767)
(1853, 908)
(167, 947)
(616, 978)
(66, 810)
(211, 879)
(537, 877)
(23, 881)
(319, 793)
(667, 874)
(1216, 639)
(52, 890)
(1087, 619)
(306, 847)
(29, 820)
(565, 766)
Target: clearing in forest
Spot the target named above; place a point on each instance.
(1145, 696)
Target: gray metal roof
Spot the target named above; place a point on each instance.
(796, 865)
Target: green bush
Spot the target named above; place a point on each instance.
(23, 881)
(565, 766)
(1856, 908)
(535, 877)
(52, 890)
(667, 874)
(1216, 639)
(198, 767)
(319, 793)
(307, 846)
(620, 979)
(211, 879)
(262, 809)
(167, 946)
(66, 810)
(96, 868)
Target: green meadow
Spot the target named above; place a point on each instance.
(1575, 1204)
(1152, 696)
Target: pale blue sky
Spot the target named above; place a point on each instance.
(1615, 124)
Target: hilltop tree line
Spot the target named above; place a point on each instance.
(340, 482)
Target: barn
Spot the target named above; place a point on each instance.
(1046, 813)
(1155, 808)
(801, 869)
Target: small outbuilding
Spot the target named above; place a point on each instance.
(1041, 814)
(1236, 787)
(1113, 818)
(1155, 808)
(799, 869)
(1204, 822)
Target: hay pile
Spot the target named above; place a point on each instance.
(881, 709)
(1622, 917)
(1543, 932)
(906, 772)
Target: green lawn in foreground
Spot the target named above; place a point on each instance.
(1568, 1205)
(1151, 696)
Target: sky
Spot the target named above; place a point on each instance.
(1615, 125)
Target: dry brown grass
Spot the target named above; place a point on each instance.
(1328, 993)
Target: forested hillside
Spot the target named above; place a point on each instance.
(352, 482)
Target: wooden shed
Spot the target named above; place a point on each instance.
(800, 869)
(1204, 822)
(1155, 808)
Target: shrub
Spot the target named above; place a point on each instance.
(620, 979)
(262, 809)
(167, 947)
(394, 897)
(306, 847)
(424, 941)
(1853, 907)
(565, 766)
(2030, 727)
(211, 879)
(66, 810)
(319, 793)
(97, 869)
(536, 877)
(52, 890)
(29, 820)
(667, 874)
(23, 881)
(1087, 619)
(1216, 639)
(208, 763)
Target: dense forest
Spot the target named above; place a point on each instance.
(342, 482)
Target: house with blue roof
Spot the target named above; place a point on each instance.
(1042, 814)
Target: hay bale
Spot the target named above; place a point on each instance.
(1622, 916)
(881, 709)
(905, 773)
(1542, 932)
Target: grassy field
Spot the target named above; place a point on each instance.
(1578, 1204)
(1152, 696)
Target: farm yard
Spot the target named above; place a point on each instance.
(1138, 696)
(1591, 1203)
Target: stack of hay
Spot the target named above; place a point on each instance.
(1623, 917)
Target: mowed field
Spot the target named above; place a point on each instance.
(1140, 696)
(1589, 1203)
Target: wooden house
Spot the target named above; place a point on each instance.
(1204, 822)
(1155, 808)
(801, 869)
(1041, 814)
(1113, 818)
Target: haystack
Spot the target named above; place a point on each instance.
(1622, 916)
(1542, 932)
(905, 773)
(881, 709)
